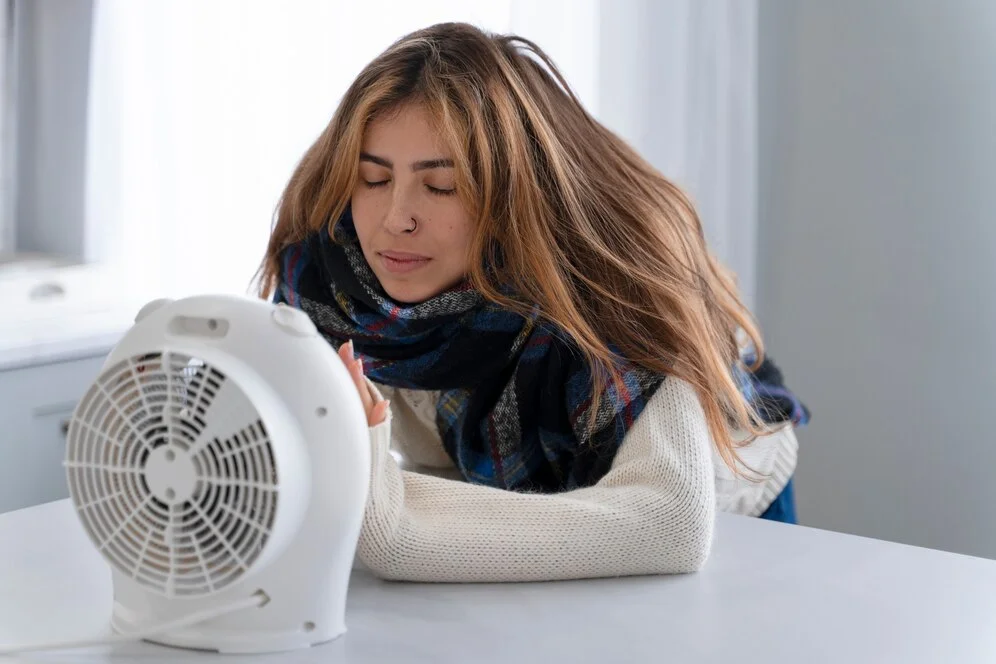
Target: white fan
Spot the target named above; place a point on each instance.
(220, 464)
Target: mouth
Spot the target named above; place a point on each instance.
(402, 262)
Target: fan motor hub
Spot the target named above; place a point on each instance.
(171, 474)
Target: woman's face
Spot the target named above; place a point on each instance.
(412, 227)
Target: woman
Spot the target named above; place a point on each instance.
(533, 322)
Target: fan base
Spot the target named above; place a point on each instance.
(239, 643)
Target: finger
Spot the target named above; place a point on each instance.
(377, 406)
(361, 386)
(355, 366)
(346, 354)
(379, 413)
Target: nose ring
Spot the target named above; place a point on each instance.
(414, 226)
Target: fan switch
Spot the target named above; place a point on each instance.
(294, 321)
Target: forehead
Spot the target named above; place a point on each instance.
(409, 130)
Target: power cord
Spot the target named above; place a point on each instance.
(256, 600)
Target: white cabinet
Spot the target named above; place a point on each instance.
(36, 402)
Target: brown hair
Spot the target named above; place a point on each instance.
(583, 227)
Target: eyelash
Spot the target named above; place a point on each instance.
(434, 190)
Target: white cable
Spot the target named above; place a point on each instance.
(256, 600)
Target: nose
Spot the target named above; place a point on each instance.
(400, 215)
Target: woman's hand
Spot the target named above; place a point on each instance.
(376, 410)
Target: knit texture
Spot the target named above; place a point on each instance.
(516, 396)
(514, 410)
(651, 513)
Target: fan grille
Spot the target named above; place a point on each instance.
(172, 472)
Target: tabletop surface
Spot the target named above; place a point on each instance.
(770, 592)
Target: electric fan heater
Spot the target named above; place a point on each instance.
(222, 455)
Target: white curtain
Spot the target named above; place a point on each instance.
(200, 110)
(199, 113)
(678, 80)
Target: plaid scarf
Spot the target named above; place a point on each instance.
(515, 394)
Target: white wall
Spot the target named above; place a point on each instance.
(877, 259)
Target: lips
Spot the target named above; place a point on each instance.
(401, 261)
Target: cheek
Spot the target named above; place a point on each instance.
(457, 235)
(364, 210)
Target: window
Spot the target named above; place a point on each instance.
(152, 139)
(44, 62)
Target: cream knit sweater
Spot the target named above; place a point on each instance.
(652, 513)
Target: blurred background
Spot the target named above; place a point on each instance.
(842, 155)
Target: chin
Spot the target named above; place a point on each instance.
(413, 290)
(409, 293)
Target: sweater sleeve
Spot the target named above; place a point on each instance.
(652, 513)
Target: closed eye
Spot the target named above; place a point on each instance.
(373, 185)
(440, 192)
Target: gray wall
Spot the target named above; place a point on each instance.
(877, 259)
(53, 57)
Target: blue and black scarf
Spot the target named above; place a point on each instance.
(515, 395)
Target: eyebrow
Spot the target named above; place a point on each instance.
(423, 165)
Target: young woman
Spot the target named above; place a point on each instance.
(551, 361)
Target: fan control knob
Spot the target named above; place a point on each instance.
(152, 306)
(294, 321)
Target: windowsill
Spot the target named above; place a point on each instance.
(51, 313)
(12, 264)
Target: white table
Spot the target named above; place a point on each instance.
(770, 593)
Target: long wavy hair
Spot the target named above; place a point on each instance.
(609, 249)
